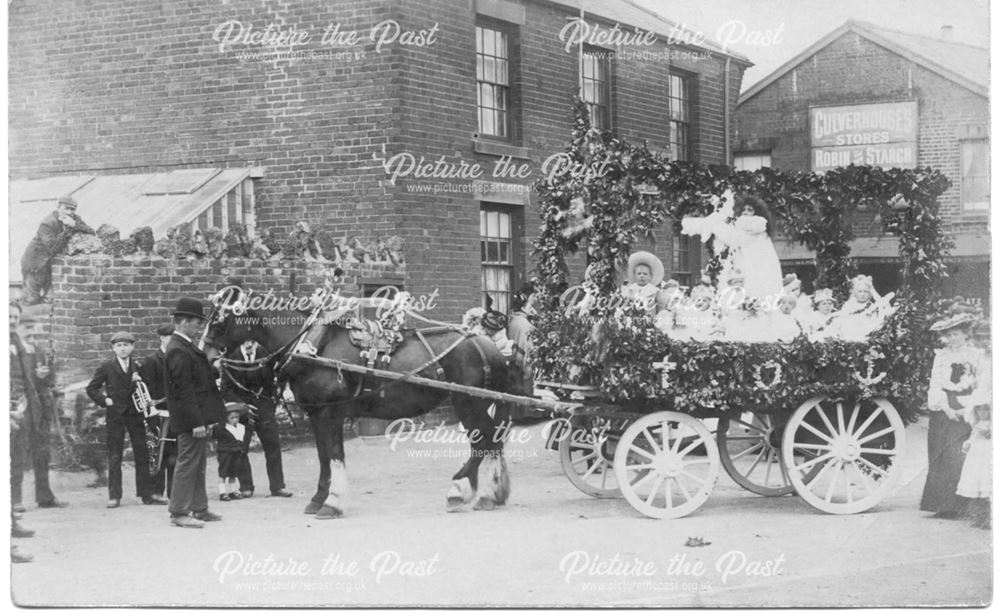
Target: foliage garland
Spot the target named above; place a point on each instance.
(604, 203)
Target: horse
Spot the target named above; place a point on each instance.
(329, 395)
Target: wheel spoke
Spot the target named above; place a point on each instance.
(767, 471)
(670, 494)
(867, 422)
(639, 467)
(810, 427)
(591, 470)
(864, 440)
(653, 490)
(875, 451)
(748, 450)
(802, 467)
(745, 437)
(822, 471)
(583, 458)
(645, 432)
(813, 446)
(840, 418)
(604, 478)
(643, 479)
(873, 467)
(642, 452)
(695, 477)
(677, 441)
(836, 477)
(755, 462)
(854, 417)
(752, 426)
(826, 420)
(684, 490)
(690, 447)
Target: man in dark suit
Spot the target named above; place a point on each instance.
(31, 402)
(256, 388)
(153, 372)
(112, 387)
(195, 404)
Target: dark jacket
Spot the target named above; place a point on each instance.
(50, 239)
(226, 442)
(153, 372)
(111, 382)
(24, 359)
(193, 399)
(259, 382)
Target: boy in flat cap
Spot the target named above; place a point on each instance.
(112, 387)
(153, 372)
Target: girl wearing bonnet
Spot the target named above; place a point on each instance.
(863, 313)
(645, 272)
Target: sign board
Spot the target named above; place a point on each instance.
(871, 134)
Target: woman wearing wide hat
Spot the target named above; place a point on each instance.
(960, 373)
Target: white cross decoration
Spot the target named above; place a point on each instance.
(665, 366)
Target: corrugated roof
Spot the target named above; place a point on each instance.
(128, 202)
(629, 13)
(966, 65)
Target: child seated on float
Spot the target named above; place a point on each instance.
(695, 319)
(668, 301)
(645, 272)
(784, 326)
(817, 324)
(863, 313)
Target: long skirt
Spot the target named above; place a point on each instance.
(944, 469)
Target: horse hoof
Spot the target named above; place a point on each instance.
(328, 512)
(484, 504)
(455, 504)
(313, 507)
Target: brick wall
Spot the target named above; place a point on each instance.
(854, 70)
(96, 296)
(113, 86)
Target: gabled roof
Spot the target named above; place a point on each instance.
(629, 13)
(158, 200)
(966, 65)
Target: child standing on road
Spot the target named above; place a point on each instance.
(232, 440)
(976, 481)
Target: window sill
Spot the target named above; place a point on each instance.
(490, 147)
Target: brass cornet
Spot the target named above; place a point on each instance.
(141, 399)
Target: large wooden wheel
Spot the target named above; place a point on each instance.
(656, 469)
(750, 447)
(844, 457)
(587, 460)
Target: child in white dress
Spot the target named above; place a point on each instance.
(818, 323)
(976, 482)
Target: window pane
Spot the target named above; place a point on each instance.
(479, 39)
(492, 252)
(489, 42)
(501, 68)
(504, 224)
(505, 253)
(492, 224)
(482, 223)
(489, 69)
(501, 44)
(487, 126)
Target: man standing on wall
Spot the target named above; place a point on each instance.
(51, 238)
(195, 404)
(31, 404)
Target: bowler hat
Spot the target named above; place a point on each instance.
(190, 307)
(67, 201)
(165, 330)
(122, 337)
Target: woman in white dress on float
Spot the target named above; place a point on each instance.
(748, 238)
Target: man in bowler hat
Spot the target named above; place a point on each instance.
(195, 404)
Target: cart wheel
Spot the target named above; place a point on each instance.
(587, 461)
(750, 447)
(850, 454)
(656, 470)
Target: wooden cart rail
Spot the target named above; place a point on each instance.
(556, 407)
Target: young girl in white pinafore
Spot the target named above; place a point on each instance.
(976, 482)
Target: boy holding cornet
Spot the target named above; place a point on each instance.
(112, 388)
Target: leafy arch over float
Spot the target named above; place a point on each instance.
(613, 193)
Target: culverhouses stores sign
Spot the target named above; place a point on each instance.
(872, 134)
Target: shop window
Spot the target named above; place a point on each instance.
(595, 79)
(500, 236)
(975, 175)
(684, 265)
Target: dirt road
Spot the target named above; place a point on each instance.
(552, 545)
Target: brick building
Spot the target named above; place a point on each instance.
(323, 100)
(865, 94)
